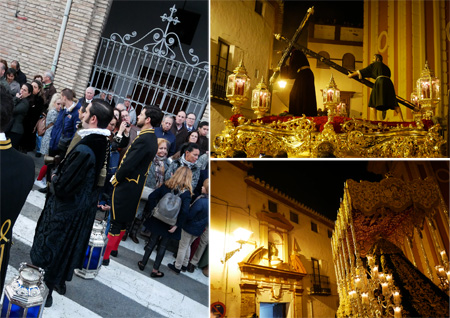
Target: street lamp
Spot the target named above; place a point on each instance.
(241, 236)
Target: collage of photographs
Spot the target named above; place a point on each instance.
(224, 158)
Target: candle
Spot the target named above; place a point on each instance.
(375, 271)
(426, 90)
(239, 87)
(365, 298)
(384, 288)
(330, 96)
(443, 255)
(389, 277)
(448, 276)
(381, 276)
(397, 299)
(358, 283)
(440, 271)
(397, 312)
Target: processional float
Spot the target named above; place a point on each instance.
(378, 227)
(339, 136)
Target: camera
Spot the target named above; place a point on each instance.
(128, 125)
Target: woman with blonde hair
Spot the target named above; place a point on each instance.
(180, 183)
(53, 110)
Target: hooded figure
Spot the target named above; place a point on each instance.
(302, 99)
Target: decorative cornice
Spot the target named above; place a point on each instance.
(275, 193)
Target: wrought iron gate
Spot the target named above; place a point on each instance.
(152, 75)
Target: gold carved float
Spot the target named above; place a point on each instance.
(279, 136)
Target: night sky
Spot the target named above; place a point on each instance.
(317, 184)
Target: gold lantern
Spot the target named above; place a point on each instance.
(331, 97)
(261, 99)
(238, 85)
(428, 90)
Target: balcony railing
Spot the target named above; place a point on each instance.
(320, 285)
(219, 82)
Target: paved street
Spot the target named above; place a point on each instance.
(121, 289)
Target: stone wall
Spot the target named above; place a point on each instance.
(33, 42)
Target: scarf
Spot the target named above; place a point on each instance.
(159, 170)
(184, 162)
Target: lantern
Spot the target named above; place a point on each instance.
(331, 97)
(94, 253)
(238, 85)
(428, 90)
(261, 99)
(26, 294)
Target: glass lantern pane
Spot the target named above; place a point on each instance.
(95, 258)
(86, 258)
(33, 312)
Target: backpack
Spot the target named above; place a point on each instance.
(168, 208)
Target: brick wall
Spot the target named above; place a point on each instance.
(33, 42)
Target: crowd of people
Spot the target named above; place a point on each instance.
(103, 156)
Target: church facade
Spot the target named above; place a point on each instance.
(284, 268)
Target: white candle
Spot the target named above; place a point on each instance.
(397, 298)
(358, 283)
(375, 271)
(397, 312)
(381, 276)
(384, 288)
(365, 298)
(389, 278)
(443, 255)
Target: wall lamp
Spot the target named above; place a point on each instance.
(242, 236)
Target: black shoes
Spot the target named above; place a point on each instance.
(114, 253)
(49, 301)
(183, 268)
(157, 275)
(172, 267)
(190, 268)
(141, 265)
(134, 238)
(43, 190)
(105, 262)
(60, 289)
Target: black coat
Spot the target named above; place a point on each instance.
(65, 225)
(159, 227)
(16, 181)
(130, 177)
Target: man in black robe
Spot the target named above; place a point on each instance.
(17, 174)
(64, 227)
(302, 99)
(383, 92)
(130, 178)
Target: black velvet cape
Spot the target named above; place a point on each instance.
(64, 227)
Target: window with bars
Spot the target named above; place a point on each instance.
(273, 207)
(314, 227)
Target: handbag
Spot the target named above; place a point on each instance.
(40, 126)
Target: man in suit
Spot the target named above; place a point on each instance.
(130, 177)
(17, 175)
(179, 129)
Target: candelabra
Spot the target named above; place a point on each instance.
(261, 99)
(331, 98)
(238, 85)
(443, 272)
(428, 89)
